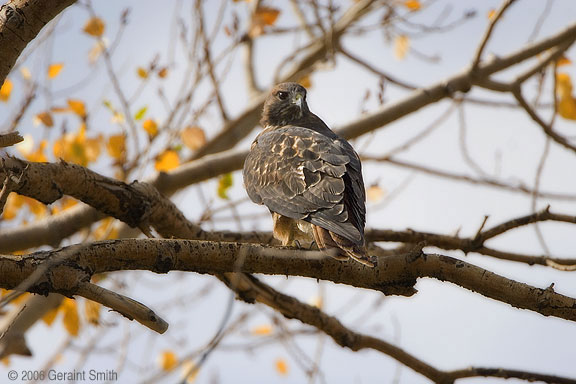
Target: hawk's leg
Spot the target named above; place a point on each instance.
(290, 232)
(283, 229)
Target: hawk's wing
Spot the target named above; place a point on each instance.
(302, 174)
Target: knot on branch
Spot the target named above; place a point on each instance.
(11, 16)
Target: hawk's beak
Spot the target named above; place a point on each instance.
(297, 99)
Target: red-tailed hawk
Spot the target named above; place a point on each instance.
(309, 177)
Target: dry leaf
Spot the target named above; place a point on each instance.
(281, 367)
(187, 368)
(6, 90)
(263, 16)
(412, 5)
(142, 73)
(193, 137)
(44, 118)
(50, 316)
(163, 72)
(54, 70)
(116, 146)
(262, 330)
(401, 46)
(37, 155)
(151, 127)
(25, 73)
(77, 148)
(92, 311)
(375, 193)
(566, 101)
(97, 50)
(94, 27)
(168, 360)
(12, 206)
(305, 81)
(563, 60)
(167, 160)
(71, 319)
(78, 107)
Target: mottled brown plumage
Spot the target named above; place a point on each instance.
(308, 177)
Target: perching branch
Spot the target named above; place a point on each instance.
(394, 274)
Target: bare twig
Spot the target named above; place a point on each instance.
(493, 21)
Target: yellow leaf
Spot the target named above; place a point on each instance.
(94, 27)
(566, 101)
(224, 184)
(64, 204)
(20, 298)
(38, 154)
(567, 107)
(491, 14)
(60, 109)
(281, 367)
(167, 360)
(193, 137)
(563, 84)
(97, 50)
(116, 146)
(78, 107)
(6, 90)
(163, 72)
(106, 229)
(189, 371)
(12, 206)
(44, 118)
(375, 193)
(37, 208)
(77, 148)
(412, 5)
(167, 160)
(71, 319)
(50, 316)
(25, 73)
(401, 46)
(117, 117)
(262, 330)
(563, 60)
(92, 311)
(140, 113)
(151, 127)
(305, 81)
(264, 16)
(142, 73)
(54, 70)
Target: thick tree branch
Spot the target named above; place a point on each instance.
(394, 274)
(20, 22)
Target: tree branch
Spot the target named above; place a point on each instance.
(20, 23)
(395, 274)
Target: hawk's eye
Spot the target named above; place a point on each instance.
(282, 95)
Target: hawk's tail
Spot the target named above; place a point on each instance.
(327, 240)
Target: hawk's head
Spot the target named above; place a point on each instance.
(286, 104)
